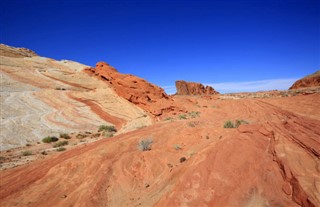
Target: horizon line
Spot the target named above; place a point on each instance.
(244, 86)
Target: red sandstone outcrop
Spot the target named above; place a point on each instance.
(192, 88)
(312, 80)
(134, 89)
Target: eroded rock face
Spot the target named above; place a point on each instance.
(134, 89)
(312, 80)
(192, 88)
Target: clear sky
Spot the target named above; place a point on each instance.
(233, 44)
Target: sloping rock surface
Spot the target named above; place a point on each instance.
(8, 51)
(272, 161)
(312, 80)
(44, 97)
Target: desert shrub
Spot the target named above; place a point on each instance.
(193, 123)
(194, 114)
(107, 134)
(65, 136)
(228, 124)
(182, 116)
(145, 145)
(61, 143)
(26, 153)
(239, 122)
(49, 139)
(61, 149)
(168, 119)
(177, 147)
(107, 128)
(44, 152)
(81, 136)
(28, 145)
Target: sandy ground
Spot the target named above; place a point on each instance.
(272, 160)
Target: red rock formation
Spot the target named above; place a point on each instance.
(312, 80)
(136, 90)
(191, 88)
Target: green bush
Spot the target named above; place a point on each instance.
(61, 149)
(107, 128)
(60, 144)
(81, 136)
(194, 114)
(239, 122)
(182, 116)
(26, 153)
(168, 119)
(145, 145)
(65, 136)
(228, 124)
(49, 139)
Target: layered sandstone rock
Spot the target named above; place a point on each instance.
(44, 97)
(8, 51)
(312, 80)
(192, 88)
(136, 90)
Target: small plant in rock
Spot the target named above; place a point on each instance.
(107, 134)
(182, 116)
(239, 122)
(145, 145)
(26, 153)
(168, 119)
(177, 147)
(107, 128)
(81, 136)
(61, 149)
(193, 123)
(228, 124)
(60, 144)
(194, 114)
(65, 136)
(49, 139)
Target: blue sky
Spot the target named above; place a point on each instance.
(233, 45)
